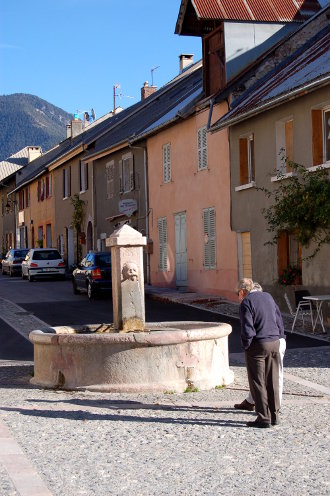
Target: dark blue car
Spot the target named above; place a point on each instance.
(93, 274)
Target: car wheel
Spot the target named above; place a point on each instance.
(30, 278)
(90, 291)
(75, 289)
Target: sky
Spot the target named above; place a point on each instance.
(72, 52)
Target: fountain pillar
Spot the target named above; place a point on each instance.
(127, 279)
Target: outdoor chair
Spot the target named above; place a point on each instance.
(303, 309)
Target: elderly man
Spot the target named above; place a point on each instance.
(261, 328)
(248, 403)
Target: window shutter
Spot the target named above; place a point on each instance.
(209, 231)
(202, 148)
(131, 173)
(69, 180)
(243, 161)
(167, 163)
(252, 164)
(110, 176)
(64, 188)
(317, 137)
(282, 251)
(121, 185)
(162, 239)
(86, 176)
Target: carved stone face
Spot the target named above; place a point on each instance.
(130, 271)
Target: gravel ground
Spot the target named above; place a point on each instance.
(172, 444)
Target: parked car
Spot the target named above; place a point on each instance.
(93, 274)
(12, 263)
(43, 262)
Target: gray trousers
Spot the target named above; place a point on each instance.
(262, 363)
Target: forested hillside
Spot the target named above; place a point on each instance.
(28, 120)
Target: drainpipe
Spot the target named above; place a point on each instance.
(145, 172)
(210, 114)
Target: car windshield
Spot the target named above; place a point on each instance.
(103, 260)
(20, 253)
(46, 255)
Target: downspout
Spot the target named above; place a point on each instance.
(145, 172)
(210, 114)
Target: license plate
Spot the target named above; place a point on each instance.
(48, 270)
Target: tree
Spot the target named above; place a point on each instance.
(77, 218)
(301, 206)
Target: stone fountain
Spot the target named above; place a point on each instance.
(131, 355)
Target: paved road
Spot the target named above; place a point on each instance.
(54, 303)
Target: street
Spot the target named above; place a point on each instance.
(53, 302)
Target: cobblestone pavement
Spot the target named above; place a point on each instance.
(84, 443)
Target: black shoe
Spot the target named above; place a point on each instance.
(245, 405)
(260, 425)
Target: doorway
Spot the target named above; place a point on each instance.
(181, 249)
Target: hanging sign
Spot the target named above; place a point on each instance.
(127, 207)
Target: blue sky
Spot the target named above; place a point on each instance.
(72, 52)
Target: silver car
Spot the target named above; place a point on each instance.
(12, 263)
(43, 262)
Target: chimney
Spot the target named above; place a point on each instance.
(33, 153)
(147, 90)
(186, 59)
(74, 128)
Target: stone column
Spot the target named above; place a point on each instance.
(127, 279)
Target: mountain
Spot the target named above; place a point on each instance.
(28, 120)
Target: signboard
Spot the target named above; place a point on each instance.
(127, 207)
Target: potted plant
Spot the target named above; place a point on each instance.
(290, 275)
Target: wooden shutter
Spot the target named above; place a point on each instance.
(121, 182)
(86, 176)
(167, 163)
(243, 161)
(246, 254)
(317, 137)
(69, 180)
(64, 188)
(289, 144)
(282, 251)
(131, 173)
(202, 148)
(162, 240)
(209, 232)
(110, 176)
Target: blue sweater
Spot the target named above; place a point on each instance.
(261, 319)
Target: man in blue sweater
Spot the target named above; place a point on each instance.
(261, 329)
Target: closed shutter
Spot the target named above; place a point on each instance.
(167, 163)
(209, 231)
(69, 181)
(110, 177)
(317, 137)
(162, 239)
(282, 252)
(243, 161)
(246, 254)
(289, 144)
(86, 177)
(121, 181)
(131, 173)
(202, 148)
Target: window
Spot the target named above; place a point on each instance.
(83, 177)
(284, 145)
(27, 197)
(246, 159)
(321, 135)
(126, 168)
(202, 148)
(209, 231)
(167, 163)
(110, 176)
(162, 240)
(44, 189)
(21, 200)
(66, 182)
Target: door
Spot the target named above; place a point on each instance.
(180, 249)
(48, 236)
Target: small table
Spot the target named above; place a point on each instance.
(319, 299)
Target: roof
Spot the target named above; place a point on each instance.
(13, 163)
(307, 69)
(158, 109)
(279, 11)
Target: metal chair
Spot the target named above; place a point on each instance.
(304, 308)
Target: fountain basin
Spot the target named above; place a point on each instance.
(168, 356)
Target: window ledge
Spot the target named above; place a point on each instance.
(281, 176)
(325, 165)
(252, 184)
